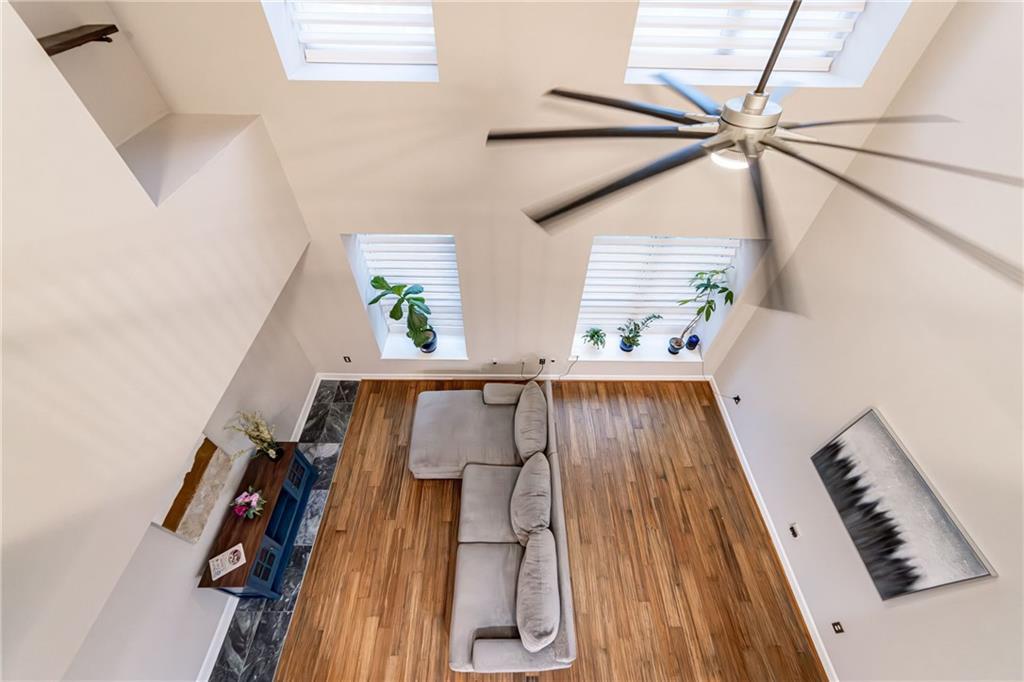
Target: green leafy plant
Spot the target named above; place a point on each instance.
(595, 337)
(708, 285)
(631, 329)
(410, 303)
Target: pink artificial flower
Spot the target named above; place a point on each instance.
(243, 498)
(255, 499)
(240, 510)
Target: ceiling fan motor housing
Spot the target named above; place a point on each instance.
(752, 112)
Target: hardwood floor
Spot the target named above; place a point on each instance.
(674, 575)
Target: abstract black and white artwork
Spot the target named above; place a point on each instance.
(904, 534)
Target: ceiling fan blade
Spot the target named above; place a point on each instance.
(990, 260)
(698, 98)
(779, 292)
(924, 118)
(619, 131)
(973, 172)
(656, 167)
(639, 107)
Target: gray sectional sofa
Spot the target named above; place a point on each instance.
(512, 607)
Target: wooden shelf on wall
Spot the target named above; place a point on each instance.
(66, 40)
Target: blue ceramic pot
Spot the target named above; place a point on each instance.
(692, 342)
(625, 346)
(430, 346)
(672, 348)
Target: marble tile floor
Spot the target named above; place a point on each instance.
(256, 634)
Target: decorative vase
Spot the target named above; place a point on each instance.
(627, 347)
(692, 342)
(675, 344)
(431, 345)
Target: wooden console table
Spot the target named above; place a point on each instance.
(269, 538)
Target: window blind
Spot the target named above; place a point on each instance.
(737, 35)
(423, 259)
(637, 276)
(381, 32)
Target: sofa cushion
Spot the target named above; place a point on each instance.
(537, 604)
(530, 503)
(484, 604)
(531, 421)
(502, 394)
(451, 429)
(484, 503)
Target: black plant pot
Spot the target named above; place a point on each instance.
(628, 347)
(675, 344)
(273, 455)
(431, 345)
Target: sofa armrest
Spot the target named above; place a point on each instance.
(502, 394)
(509, 656)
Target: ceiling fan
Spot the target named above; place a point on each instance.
(745, 128)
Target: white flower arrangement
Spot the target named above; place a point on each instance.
(256, 429)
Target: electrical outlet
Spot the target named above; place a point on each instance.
(347, 359)
(736, 399)
(542, 361)
(837, 628)
(794, 530)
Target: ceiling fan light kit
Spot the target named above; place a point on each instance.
(736, 135)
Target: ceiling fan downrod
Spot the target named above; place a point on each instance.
(777, 50)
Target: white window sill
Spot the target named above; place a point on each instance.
(652, 348)
(450, 346)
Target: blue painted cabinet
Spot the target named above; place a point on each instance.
(269, 539)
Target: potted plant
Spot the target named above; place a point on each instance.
(415, 310)
(259, 433)
(631, 330)
(595, 337)
(708, 285)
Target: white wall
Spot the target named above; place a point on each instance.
(899, 321)
(108, 77)
(400, 157)
(157, 625)
(123, 324)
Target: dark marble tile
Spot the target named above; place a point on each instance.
(346, 392)
(291, 582)
(317, 417)
(237, 642)
(326, 393)
(250, 604)
(222, 674)
(311, 518)
(265, 650)
(324, 458)
(337, 423)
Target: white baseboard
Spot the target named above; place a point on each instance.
(805, 610)
(300, 423)
(218, 639)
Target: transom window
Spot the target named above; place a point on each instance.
(345, 40)
(638, 276)
(712, 39)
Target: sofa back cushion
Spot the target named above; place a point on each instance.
(530, 507)
(531, 421)
(538, 608)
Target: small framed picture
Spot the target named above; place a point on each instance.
(225, 562)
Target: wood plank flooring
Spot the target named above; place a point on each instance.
(674, 575)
